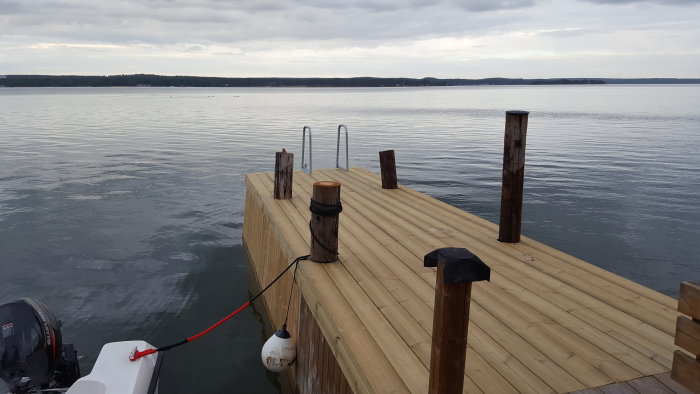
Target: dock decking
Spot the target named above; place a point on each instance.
(546, 322)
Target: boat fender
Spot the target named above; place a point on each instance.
(278, 352)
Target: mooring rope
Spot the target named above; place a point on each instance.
(138, 354)
(324, 210)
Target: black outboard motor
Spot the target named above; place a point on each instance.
(32, 354)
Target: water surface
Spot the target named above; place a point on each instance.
(122, 208)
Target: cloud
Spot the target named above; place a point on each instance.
(660, 2)
(217, 21)
(448, 38)
(490, 5)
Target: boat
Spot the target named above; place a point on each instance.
(34, 358)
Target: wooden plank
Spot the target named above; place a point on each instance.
(565, 356)
(584, 329)
(540, 297)
(488, 237)
(589, 391)
(633, 324)
(649, 385)
(483, 374)
(371, 372)
(621, 298)
(588, 364)
(404, 209)
(665, 379)
(686, 371)
(689, 299)
(688, 334)
(534, 359)
(480, 370)
(530, 243)
(386, 338)
(618, 388)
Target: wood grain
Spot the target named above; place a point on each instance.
(284, 172)
(450, 330)
(688, 334)
(548, 322)
(686, 371)
(513, 176)
(324, 242)
(689, 299)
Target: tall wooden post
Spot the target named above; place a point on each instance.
(284, 170)
(325, 210)
(457, 268)
(388, 167)
(686, 369)
(513, 176)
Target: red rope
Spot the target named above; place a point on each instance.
(234, 313)
(138, 354)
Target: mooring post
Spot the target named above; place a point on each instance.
(388, 167)
(284, 170)
(457, 268)
(686, 369)
(325, 210)
(513, 176)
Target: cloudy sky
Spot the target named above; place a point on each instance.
(383, 38)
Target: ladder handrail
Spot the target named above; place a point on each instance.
(337, 150)
(304, 166)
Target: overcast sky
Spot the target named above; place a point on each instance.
(345, 38)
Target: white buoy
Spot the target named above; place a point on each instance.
(278, 353)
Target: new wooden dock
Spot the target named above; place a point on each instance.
(546, 322)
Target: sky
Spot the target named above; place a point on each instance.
(352, 38)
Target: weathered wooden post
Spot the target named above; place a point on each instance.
(457, 268)
(284, 170)
(685, 369)
(513, 176)
(388, 167)
(325, 209)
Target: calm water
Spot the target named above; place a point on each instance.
(122, 208)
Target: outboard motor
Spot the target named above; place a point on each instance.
(32, 354)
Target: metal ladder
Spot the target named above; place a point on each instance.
(308, 167)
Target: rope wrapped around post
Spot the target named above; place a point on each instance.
(325, 209)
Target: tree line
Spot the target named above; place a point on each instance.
(194, 81)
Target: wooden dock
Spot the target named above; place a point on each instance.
(546, 322)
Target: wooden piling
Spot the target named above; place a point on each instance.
(325, 203)
(284, 170)
(387, 163)
(686, 369)
(457, 268)
(513, 176)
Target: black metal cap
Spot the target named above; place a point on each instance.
(283, 333)
(460, 265)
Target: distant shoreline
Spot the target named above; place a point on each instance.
(152, 80)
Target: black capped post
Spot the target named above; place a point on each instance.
(284, 170)
(457, 268)
(325, 211)
(513, 176)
